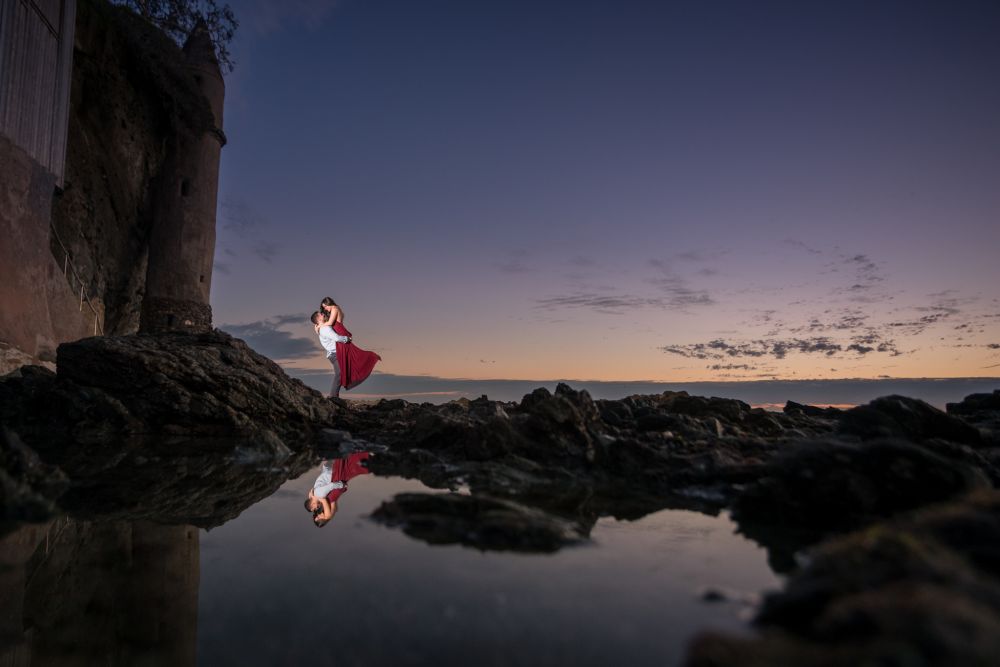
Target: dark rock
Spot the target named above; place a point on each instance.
(200, 482)
(202, 385)
(791, 407)
(478, 521)
(976, 403)
(816, 488)
(28, 487)
(922, 590)
(909, 418)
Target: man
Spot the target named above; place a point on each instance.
(331, 483)
(328, 338)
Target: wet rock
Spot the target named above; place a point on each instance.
(815, 488)
(908, 418)
(201, 482)
(923, 589)
(478, 521)
(28, 487)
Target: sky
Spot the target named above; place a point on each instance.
(617, 190)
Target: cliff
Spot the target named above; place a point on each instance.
(131, 101)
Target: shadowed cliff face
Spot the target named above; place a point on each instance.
(131, 100)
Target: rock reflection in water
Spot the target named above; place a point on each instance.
(111, 593)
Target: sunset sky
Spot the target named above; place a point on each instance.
(617, 190)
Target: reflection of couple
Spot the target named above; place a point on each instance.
(351, 364)
(332, 484)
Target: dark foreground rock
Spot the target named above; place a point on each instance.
(923, 589)
(815, 489)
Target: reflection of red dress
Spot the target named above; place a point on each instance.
(355, 364)
(346, 469)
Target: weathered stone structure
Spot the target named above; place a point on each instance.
(182, 247)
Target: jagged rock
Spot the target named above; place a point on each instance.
(190, 384)
(478, 521)
(909, 418)
(923, 589)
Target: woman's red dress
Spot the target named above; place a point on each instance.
(355, 364)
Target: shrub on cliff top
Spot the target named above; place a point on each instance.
(177, 18)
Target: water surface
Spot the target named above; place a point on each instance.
(276, 590)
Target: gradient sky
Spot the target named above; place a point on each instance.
(617, 190)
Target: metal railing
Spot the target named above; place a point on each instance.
(69, 270)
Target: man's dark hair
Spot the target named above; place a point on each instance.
(314, 318)
(309, 509)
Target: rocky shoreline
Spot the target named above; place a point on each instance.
(884, 516)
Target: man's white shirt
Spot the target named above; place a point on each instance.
(328, 338)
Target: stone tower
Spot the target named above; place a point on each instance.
(182, 241)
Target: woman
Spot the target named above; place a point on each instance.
(321, 500)
(355, 364)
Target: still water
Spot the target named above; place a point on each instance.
(276, 590)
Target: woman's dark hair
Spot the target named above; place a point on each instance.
(328, 301)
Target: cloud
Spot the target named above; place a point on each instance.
(221, 267)
(602, 303)
(583, 262)
(799, 245)
(267, 338)
(720, 349)
(266, 250)
(678, 291)
(512, 266)
(240, 218)
(514, 262)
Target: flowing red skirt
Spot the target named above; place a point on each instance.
(347, 469)
(355, 364)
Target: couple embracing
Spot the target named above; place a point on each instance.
(351, 364)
